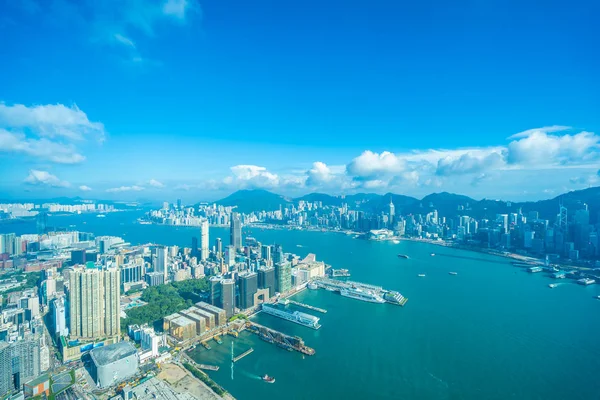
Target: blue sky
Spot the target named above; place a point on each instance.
(195, 99)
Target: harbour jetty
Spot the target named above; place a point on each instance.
(279, 338)
(308, 306)
(244, 354)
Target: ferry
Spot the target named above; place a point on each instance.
(268, 379)
(453, 273)
(363, 295)
(421, 275)
(402, 256)
(310, 321)
(312, 286)
(100, 216)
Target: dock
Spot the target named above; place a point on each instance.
(244, 354)
(217, 339)
(208, 367)
(272, 336)
(308, 306)
(206, 345)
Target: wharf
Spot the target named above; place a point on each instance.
(217, 339)
(244, 354)
(206, 345)
(279, 338)
(208, 367)
(297, 303)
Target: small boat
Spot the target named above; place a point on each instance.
(453, 273)
(421, 275)
(598, 297)
(432, 254)
(396, 241)
(402, 256)
(100, 216)
(553, 285)
(268, 379)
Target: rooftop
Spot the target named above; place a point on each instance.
(108, 354)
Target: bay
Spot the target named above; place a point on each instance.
(491, 332)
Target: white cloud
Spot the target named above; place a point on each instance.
(155, 183)
(52, 120)
(539, 149)
(319, 173)
(44, 149)
(251, 176)
(124, 40)
(44, 178)
(119, 189)
(371, 165)
(545, 130)
(470, 162)
(85, 188)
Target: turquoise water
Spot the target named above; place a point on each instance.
(491, 332)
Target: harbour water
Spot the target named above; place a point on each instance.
(493, 331)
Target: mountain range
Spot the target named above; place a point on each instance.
(447, 204)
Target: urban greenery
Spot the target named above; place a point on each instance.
(204, 378)
(164, 300)
(238, 316)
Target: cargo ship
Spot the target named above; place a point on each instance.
(363, 295)
(310, 321)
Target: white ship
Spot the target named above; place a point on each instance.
(363, 295)
(312, 286)
(298, 317)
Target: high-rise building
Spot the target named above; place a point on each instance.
(283, 277)
(266, 254)
(19, 363)
(266, 279)
(94, 300)
(194, 246)
(230, 256)
(204, 240)
(219, 248)
(228, 296)
(277, 254)
(131, 273)
(215, 291)
(58, 313)
(392, 213)
(161, 261)
(248, 285)
(235, 234)
(78, 256)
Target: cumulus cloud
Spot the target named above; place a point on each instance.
(251, 176)
(155, 183)
(43, 149)
(44, 178)
(52, 120)
(319, 173)
(468, 163)
(47, 132)
(372, 165)
(119, 189)
(538, 148)
(85, 188)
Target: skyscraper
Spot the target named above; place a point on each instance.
(94, 300)
(161, 261)
(219, 248)
(228, 296)
(235, 234)
(283, 277)
(277, 254)
(266, 254)
(266, 279)
(204, 240)
(392, 213)
(248, 285)
(19, 363)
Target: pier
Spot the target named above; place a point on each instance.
(244, 354)
(217, 339)
(279, 338)
(208, 367)
(297, 303)
(206, 345)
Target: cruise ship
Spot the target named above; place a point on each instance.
(395, 298)
(310, 321)
(363, 295)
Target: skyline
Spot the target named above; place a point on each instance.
(195, 100)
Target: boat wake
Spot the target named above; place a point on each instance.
(249, 375)
(438, 379)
